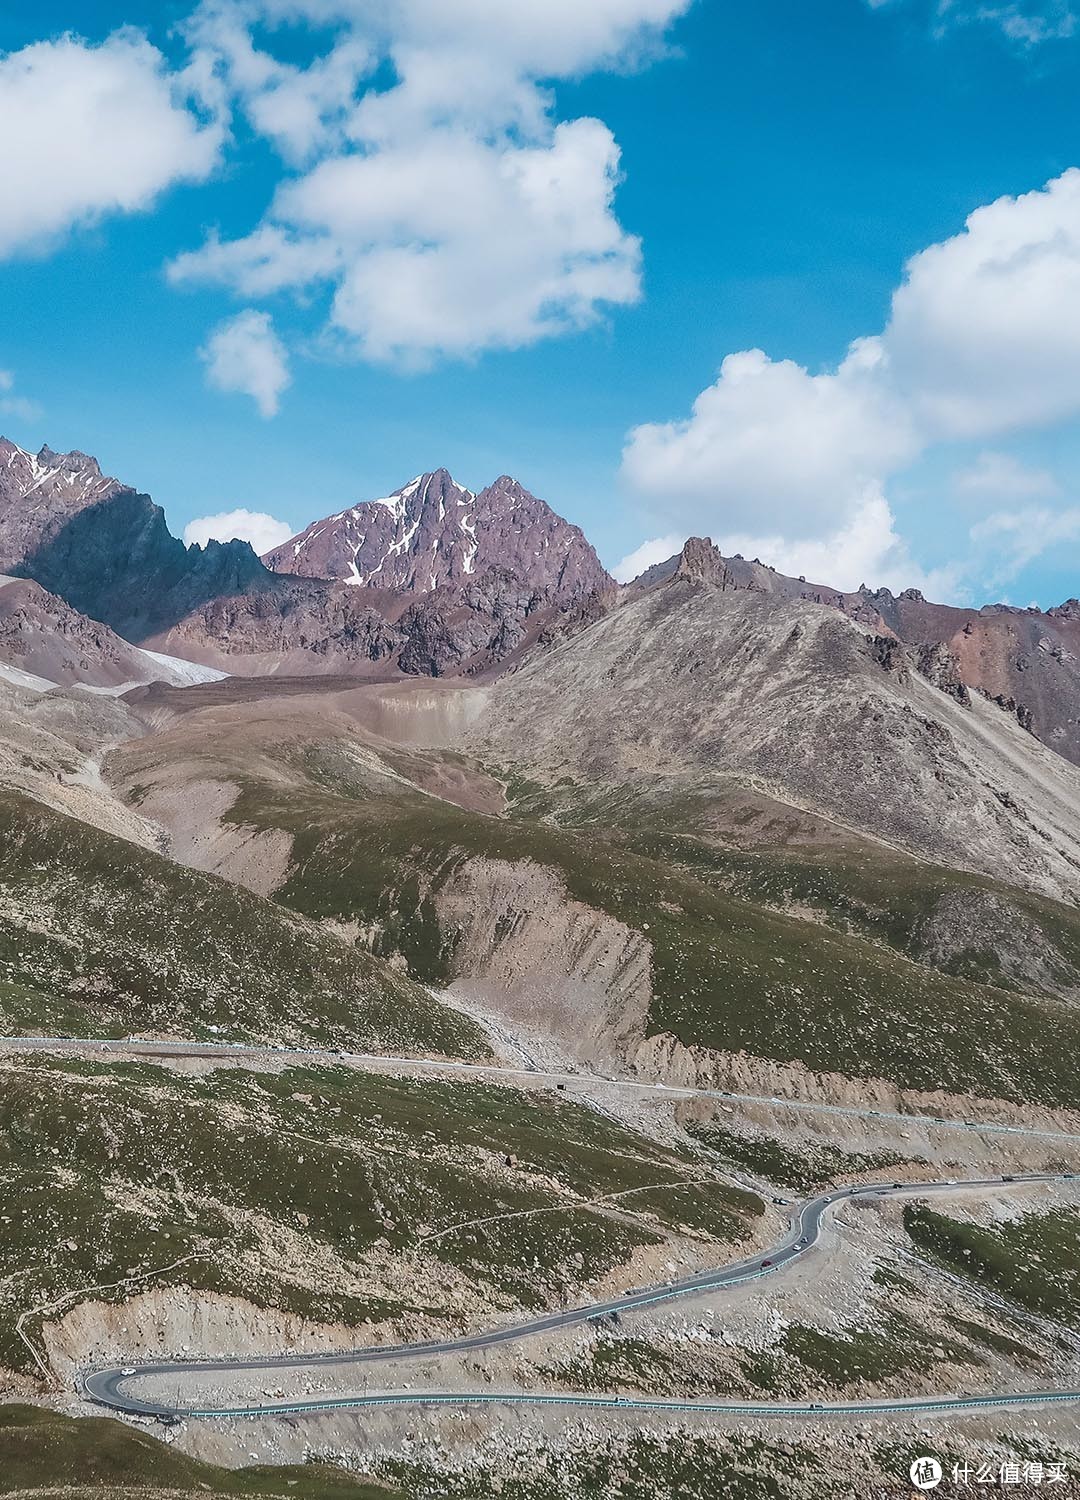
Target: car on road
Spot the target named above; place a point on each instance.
(129, 1371)
(804, 1240)
(765, 1263)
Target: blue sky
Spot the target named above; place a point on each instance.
(282, 266)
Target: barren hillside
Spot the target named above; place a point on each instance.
(688, 688)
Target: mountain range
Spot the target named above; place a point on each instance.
(810, 853)
(104, 548)
(436, 580)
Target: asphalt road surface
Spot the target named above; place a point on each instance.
(240, 1051)
(109, 1387)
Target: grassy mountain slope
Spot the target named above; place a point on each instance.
(727, 973)
(43, 1452)
(761, 927)
(98, 935)
(338, 1197)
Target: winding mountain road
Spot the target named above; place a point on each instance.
(108, 1387)
(374, 1061)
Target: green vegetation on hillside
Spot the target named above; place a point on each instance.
(965, 925)
(282, 1187)
(98, 1457)
(896, 1346)
(813, 1166)
(100, 937)
(637, 1467)
(1034, 1260)
(728, 973)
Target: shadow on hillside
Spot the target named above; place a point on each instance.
(117, 562)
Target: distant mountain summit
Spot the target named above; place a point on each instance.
(39, 494)
(104, 547)
(433, 580)
(433, 532)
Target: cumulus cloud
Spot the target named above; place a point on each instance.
(658, 550)
(532, 39)
(985, 329)
(448, 210)
(300, 110)
(245, 355)
(86, 131)
(770, 439)
(983, 339)
(255, 526)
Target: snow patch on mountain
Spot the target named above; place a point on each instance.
(434, 532)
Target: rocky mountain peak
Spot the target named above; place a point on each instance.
(1070, 610)
(72, 478)
(701, 561)
(433, 532)
(506, 484)
(40, 493)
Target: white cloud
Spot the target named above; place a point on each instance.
(1049, 21)
(244, 354)
(300, 110)
(984, 335)
(771, 441)
(983, 339)
(13, 403)
(1027, 22)
(86, 131)
(255, 526)
(658, 550)
(530, 39)
(445, 245)
(1006, 542)
(448, 211)
(268, 260)
(1000, 476)
(865, 548)
(451, 246)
